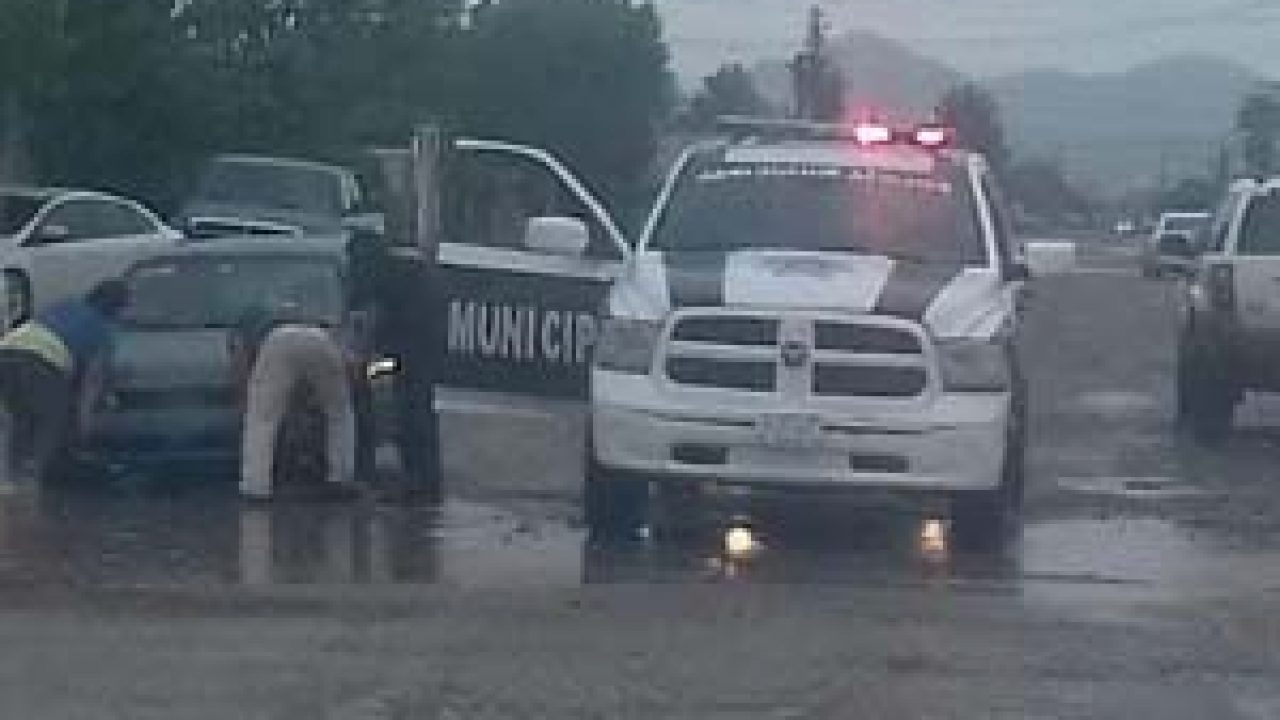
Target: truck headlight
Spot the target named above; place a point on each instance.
(627, 345)
(974, 365)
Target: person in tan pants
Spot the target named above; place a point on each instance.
(289, 354)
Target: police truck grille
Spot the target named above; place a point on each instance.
(816, 355)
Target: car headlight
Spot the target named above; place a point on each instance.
(627, 345)
(970, 365)
(381, 367)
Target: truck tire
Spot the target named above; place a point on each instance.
(989, 519)
(1206, 399)
(615, 502)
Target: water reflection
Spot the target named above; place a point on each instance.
(204, 534)
(800, 548)
(119, 535)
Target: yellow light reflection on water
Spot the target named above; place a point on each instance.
(934, 539)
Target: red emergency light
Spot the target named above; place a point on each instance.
(864, 133)
(932, 136)
(872, 134)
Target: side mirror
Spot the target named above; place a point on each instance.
(172, 234)
(1043, 258)
(565, 236)
(51, 234)
(365, 224)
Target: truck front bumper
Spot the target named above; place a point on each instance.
(956, 443)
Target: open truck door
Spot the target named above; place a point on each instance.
(523, 255)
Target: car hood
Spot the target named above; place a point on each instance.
(171, 359)
(309, 223)
(948, 300)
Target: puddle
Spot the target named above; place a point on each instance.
(1133, 488)
(213, 538)
(1117, 403)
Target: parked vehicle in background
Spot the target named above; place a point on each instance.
(248, 195)
(173, 388)
(1172, 245)
(1229, 336)
(56, 243)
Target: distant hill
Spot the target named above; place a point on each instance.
(1113, 131)
(1120, 129)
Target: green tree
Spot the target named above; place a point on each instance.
(31, 49)
(730, 90)
(313, 77)
(1042, 191)
(585, 78)
(1188, 194)
(116, 110)
(1258, 119)
(975, 115)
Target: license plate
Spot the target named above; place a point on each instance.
(791, 430)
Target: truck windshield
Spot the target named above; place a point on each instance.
(736, 206)
(1260, 234)
(217, 292)
(16, 211)
(269, 185)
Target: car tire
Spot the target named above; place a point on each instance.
(615, 502)
(1206, 400)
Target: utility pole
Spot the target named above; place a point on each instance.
(816, 84)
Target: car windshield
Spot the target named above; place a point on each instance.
(16, 211)
(726, 207)
(217, 292)
(277, 186)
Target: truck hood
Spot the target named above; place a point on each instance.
(258, 217)
(947, 300)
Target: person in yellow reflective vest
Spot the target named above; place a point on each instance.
(52, 369)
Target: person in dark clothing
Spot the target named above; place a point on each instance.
(392, 287)
(52, 370)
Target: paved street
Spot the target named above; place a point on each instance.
(1146, 583)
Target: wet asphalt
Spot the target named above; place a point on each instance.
(1146, 578)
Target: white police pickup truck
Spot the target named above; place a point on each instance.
(816, 309)
(808, 308)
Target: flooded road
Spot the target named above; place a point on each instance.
(1146, 579)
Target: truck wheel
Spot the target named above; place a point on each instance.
(990, 519)
(1206, 401)
(615, 502)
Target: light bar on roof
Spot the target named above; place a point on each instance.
(932, 136)
(865, 133)
(872, 134)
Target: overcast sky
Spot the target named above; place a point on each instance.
(987, 37)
